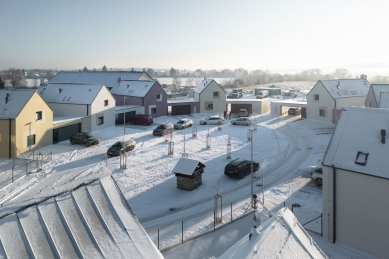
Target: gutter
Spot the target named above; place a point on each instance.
(334, 204)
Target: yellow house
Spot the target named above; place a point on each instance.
(25, 122)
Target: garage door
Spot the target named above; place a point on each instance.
(64, 133)
(119, 118)
(181, 110)
(235, 107)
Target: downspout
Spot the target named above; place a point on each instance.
(87, 110)
(9, 135)
(334, 203)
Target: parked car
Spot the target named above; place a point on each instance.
(183, 123)
(214, 120)
(239, 168)
(235, 95)
(241, 121)
(84, 138)
(123, 146)
(294, 111)
(317, 176)
(142, 119)
(243, 113)
(163, 129)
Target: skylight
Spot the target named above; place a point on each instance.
(361, 158)
(69, 98)
(63, 99)
(3, 112)
(42, 90)
(338, 93)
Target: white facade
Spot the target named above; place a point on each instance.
(325, 103)
(211, 96)
(103, 107)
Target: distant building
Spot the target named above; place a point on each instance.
(378, 96)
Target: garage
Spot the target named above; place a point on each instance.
(280, 108)
(64, 133)
(235, 107)
(119, 117)
(181, 110)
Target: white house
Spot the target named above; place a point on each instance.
(327, 97)
(211, 96)
(81, 100)
(378, 96)
(356, 181)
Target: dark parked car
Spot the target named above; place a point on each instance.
(294, 111)
(84, 139)
(317, 176)
(163, 129)
(142, 119)
(239, 168)
(124, 146)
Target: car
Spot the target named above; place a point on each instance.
(235, 95)
(241, 121)
(243, 113)
(317, 176)
(163, 129)
(294, 111)
(142, 119)
(121, 146)
(183, 123)
(239, 168)
(84, 138)
(214, 120)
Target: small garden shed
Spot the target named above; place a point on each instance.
(188, 173)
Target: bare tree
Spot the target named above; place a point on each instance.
(341, 73)
(177, 81)
(35, 83)
(15, 75)
(189, 81)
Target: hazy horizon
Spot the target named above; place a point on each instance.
(280, 36)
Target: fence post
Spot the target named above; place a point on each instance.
(26, 168)
(158, 239)
(12, 174)
(214, 221)
(182, 231)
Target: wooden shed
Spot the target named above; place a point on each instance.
(188, 173)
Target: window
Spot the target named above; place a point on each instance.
(209, 106)
(322, 113)
(69, 98)
(63, 99)
(105, 102)
(42, 90)
(153, 110)
(361, 158)
(159, 97)
(30, 140)
(38, 116)
(316, 97)
(215, 94)
(101, 120)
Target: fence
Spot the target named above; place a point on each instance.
(28, 166)
(170, 236)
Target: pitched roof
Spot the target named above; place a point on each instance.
(341, 88)
(108, 79)
(274, 240)
(204, 85)
(381, 92)
(16, 100)
(358, 131)
(134, 88)
(186, 166)
(92, 221)
(70, 93)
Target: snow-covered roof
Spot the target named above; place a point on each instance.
(204, 85)
(16, 100)
(134, 88)
(109, 79)
(92, 221)
(357, 137)
(381, 92)
(274, 240)
(61, 119)
(70, 93)
(186, 166)
(341, 88)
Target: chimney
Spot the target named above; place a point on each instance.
(6, 98)
(383, 135)
(60, 90)
(364, 77)
(119, 79)
(337, 86)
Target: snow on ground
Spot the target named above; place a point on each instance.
(286, 147)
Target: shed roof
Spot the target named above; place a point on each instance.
(135, 88)
(358, 131)
(381, 92)
(107, 78)
(341, 88)
(17, 99)
(70, 93)
(186, 166)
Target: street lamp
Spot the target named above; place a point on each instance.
(124, 116)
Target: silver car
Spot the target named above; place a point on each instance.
(243, 113)
(183, 123)
(241, 121)
(212, 121)
(317, 176)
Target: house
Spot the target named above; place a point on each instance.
(377, 96)
(326, 98)
(91, 221)
(189, 173)
(25, 122)
(78, 107)
(146, 93)
(211, 95)
(356, 181)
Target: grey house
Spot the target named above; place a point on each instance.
(378, 96)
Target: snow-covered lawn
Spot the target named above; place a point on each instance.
(286, 147)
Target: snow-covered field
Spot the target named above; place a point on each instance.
(286, 147)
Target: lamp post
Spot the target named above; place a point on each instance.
(124, 116)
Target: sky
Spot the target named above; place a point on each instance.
(276, 35)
